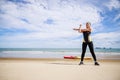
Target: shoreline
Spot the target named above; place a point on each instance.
(38, 54)
(55, 59)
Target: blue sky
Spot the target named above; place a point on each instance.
(49, 23)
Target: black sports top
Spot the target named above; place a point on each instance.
(86, 36)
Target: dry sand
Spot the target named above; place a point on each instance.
(58, 69)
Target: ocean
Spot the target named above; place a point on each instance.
(101, 53)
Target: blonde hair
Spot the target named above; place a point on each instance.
(88, 23)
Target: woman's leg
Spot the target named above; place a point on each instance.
(92, 50)
(84, 46)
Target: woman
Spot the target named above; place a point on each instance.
(86, 41)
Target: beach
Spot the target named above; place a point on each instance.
(57, 69)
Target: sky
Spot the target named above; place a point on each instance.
(50, 23)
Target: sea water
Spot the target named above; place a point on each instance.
(56, 52)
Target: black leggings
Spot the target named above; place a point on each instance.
(84, 46)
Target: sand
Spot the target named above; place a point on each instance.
(58, 69)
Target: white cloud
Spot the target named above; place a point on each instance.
(117, 17)
(113, 4)
(107, 39)
(65, 15)
(61, 13)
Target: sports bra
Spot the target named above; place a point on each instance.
(86, 36)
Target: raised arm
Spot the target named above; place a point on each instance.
(84, 30)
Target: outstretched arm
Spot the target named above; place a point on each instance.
(78, 29)
(82, 30)
(75, 29)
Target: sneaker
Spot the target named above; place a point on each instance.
(97, 64)
(81, 63)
